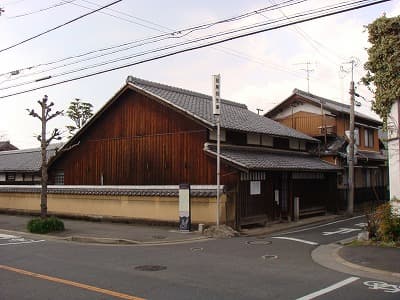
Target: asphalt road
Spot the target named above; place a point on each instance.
(267, 267)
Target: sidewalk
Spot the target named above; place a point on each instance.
(120, 233)
(103, 232)
(365, 261)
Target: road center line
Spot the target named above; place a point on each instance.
(329, 288)
(322, 225)
(71, 283)
(296, 240)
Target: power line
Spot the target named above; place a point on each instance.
(158, 49)
(59, 26)
(318, 16)
(144, 53)
(42, 9)
(175, 34)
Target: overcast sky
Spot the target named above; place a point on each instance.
(259, 71)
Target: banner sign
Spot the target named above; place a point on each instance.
(184, 207)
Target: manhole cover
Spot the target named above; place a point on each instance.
(194, 249)
(269, 256)
(159, 237)
(150, 268)
(258, 242)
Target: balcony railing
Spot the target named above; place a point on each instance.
(312, 125)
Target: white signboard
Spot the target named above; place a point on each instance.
(255, 187)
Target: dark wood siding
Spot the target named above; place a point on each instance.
(139, 141)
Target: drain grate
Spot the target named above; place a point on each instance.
(159, 237)
(194, 249)
(150, 268)
(258, 242)
(269, 256)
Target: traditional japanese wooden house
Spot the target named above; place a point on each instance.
(328, 121)
(153, 134)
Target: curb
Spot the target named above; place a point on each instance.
(104, 241)
(328, 256)
(271, 230)
(112, 241)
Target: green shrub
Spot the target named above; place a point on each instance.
(383, 225)
(45, 225)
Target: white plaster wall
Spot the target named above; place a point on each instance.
(253, 139)
(294, 144)
(213, 135)
(306, 107)
(267, 140)
(394, 151)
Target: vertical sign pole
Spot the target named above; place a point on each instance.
(216, 86)
(218, 165)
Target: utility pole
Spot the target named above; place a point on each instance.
(350, 202)
(258, 110)
(216, 111)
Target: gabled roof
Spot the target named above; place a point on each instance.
(27, 160)
(257, 158)
(328, 104)
(234, 116)
(6, 145)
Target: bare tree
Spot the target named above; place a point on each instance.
(45, 116)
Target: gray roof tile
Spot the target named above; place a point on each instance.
(234, 116)
(27, 160)
(267, 159)
(333, 105)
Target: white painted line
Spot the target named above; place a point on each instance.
(7, 236)
(19, 243)
(296, 240)
(329, 288)
(322, 225)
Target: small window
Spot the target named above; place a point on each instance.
(10, 177)
(255, 187)
(59, 178)
(367, 178)
(294, 144)
(267, 140)
(357, 136)
(236, 137)
(253, 139)
(281, 143)
(368, 138)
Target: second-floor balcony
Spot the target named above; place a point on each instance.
(312, 125)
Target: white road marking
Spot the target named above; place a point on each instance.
(329, 288)
(362, 225)
(15, 240)
(7, 236)
(25, 242)
(322, 225)
(380, 285)
(296, 240)
(340, 231)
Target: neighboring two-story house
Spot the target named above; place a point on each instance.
(328, 121)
